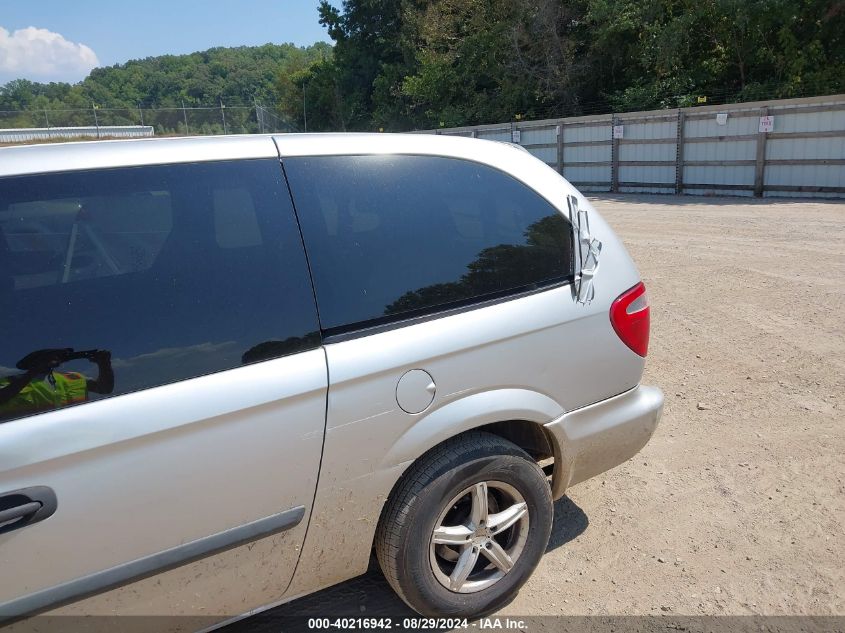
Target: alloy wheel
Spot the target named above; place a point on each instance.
(479, 537)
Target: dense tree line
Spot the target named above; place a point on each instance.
(401, 64)
(237, 76)
(404, 64)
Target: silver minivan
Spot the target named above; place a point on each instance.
(232, 369)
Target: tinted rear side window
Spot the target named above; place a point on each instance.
(153, 274)
(395, 236)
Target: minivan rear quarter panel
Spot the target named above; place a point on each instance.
(530, 356)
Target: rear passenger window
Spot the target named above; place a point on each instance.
(118, 280)
(391, 237)
(235, 220)
(78, 238)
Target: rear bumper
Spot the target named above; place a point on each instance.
(593, 439)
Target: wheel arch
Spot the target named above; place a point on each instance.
(492, 412)
(515, 414)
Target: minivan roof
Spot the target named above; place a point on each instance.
(35, 159)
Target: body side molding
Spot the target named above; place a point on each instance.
(141, 568)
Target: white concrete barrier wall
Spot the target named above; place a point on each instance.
(20, 135)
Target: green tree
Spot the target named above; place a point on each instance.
(237, 75)
(666, 53)
(402, 64)
(370, 44)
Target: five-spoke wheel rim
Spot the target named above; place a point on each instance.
(479, 536)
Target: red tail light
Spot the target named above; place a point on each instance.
(630, 317)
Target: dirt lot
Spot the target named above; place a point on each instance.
(737, 506)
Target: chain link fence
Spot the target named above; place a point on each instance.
(166, 121)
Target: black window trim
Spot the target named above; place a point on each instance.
(387, 323)
(308, 265)
(423, 315)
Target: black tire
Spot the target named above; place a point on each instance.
(404, 535)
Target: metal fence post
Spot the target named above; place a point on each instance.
(679, 154)
(560, 148)
(141, 113)
(760, 164)
(185, 116)
(614, 157)
(46, 118)
(223, 114)
(96, 120)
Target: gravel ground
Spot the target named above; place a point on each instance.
(737, 505)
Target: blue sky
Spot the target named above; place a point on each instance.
(69, 38)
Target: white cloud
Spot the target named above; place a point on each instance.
(41, 55)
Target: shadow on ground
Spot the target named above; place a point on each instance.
(370, 595)
(569, 523)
